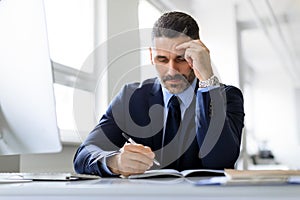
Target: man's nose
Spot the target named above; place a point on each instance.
(173, 67)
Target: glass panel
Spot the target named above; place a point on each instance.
(148, 14)
(70, 31)
(75, 109)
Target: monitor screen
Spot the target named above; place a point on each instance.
(27, 106)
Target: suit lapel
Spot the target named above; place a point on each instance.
(156, 98)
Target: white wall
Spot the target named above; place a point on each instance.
(274, 118)
(217, 31)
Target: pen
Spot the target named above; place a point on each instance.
(131, 141)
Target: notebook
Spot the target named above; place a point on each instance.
(174, 173)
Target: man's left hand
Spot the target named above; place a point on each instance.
(197, 55)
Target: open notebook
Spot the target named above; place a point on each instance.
(174, 173)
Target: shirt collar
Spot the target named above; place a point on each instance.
(185, 97)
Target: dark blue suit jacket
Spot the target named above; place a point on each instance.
(210, 133)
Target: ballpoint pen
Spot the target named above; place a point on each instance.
(131, 141)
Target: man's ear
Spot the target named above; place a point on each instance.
(151, 55)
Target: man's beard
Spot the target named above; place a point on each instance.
(185, 82)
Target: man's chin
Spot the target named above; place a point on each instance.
(175, 89)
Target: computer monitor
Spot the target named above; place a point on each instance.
(28, 123)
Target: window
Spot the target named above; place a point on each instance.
(70, 31)
(75, 28)
(70, 26)
(148, 14)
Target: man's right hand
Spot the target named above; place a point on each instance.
(132, 159)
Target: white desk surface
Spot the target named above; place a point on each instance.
(112, 188)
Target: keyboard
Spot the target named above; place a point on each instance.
(47, 176)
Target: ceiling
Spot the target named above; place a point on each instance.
(273, 45)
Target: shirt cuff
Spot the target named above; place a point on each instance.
(103, 161)
(206, 89)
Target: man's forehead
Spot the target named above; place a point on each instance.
(163, 44)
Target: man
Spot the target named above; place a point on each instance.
(185, 118)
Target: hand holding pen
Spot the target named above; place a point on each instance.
(132, 158)
(131, 141)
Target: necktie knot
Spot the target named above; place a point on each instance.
(173, 102)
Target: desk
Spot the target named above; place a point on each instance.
(112, 188)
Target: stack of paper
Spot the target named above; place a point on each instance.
(260, 176)
(254, 177)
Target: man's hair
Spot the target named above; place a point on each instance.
(174, 24)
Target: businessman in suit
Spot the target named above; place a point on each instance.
(184, 118)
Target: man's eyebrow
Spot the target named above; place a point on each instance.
(160, 56)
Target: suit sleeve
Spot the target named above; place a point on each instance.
(91, 156)
(220, 120)
(104, 141)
